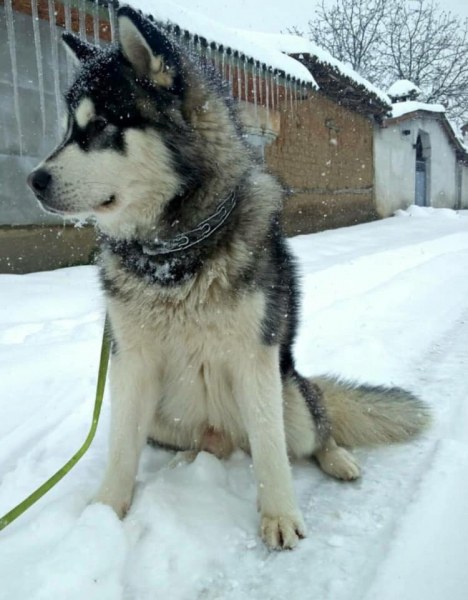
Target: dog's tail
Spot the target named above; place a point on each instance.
(364, 415)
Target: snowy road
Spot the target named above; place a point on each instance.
(385, 302)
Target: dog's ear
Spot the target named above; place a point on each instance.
(80, 51)
(147, 48)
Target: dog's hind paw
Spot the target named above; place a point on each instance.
(282, 532)
(339, 463)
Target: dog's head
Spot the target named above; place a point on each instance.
(135, 114)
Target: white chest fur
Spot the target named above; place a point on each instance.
(195, 351)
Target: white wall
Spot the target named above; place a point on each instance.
(395, 163)
(394, 168)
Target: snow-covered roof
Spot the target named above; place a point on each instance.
(403, 108)
(295, 44)
(244, 42)
(402, 88)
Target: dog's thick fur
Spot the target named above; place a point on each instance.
(202, 337)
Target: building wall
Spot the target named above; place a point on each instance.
(324, 157)
(395, 165)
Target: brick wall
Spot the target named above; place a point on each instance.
(324, 157)
(104, 28)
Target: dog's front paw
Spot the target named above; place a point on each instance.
(183, 457)
(282, 532)
(119, 502)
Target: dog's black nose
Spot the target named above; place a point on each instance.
(39, 180)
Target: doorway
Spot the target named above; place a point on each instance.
(421, 196)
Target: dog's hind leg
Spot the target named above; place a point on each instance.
(258, 391)
(337, 462)
(134, 394)
(308, 430)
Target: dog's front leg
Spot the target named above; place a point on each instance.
(258, 391)
(134, 396)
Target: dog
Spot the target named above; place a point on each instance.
(201, 287)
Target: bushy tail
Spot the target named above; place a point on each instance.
(365, 415)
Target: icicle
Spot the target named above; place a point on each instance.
(68, 27)
(291, 93)
(82, 19)
(223, 66)
(272, 88)
(229, 73)
(239, 81)
(111, 10)
(96, 22)
(260, 83)
(295, 94)
(246, 79)
(188, 43)
(214, 56)
(255, 95)
(267, 93)
(14, 69)
(190, 46)
(55, 60)
(277, 91)
(39, 61)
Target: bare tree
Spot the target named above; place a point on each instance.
(351, 30)
(429, 47)
(386, 40)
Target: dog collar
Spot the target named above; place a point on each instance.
(181, 241)
(203, 230)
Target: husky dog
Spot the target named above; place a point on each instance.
(200, 284)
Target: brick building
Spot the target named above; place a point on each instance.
(317, 138)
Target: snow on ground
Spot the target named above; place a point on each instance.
(385, 302)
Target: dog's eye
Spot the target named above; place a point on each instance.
(99, 124)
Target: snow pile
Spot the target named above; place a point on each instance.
(295, 44)
(403, 88)
(385, 302)
(426, 212)
(403, 108)
(213, 31)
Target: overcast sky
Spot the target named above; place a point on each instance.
(274, 16)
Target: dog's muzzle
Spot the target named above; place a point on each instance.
(39, 180)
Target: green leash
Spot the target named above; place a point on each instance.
(18, 510)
